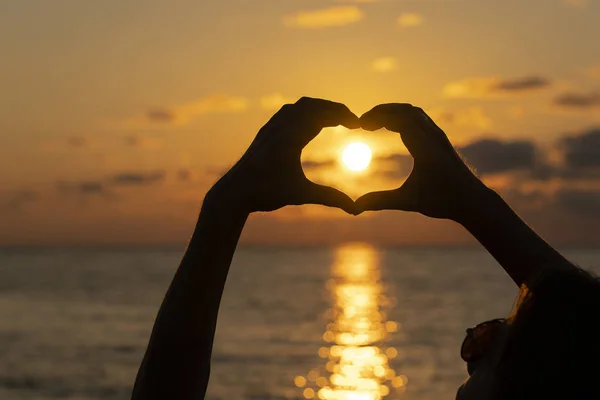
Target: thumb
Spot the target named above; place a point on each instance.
(396, 199)
(330, 197)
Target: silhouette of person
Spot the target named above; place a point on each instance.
(547, 349)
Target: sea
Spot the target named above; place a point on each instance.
(348, 322)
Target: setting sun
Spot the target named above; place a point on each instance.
(356, 156)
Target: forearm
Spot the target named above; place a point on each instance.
(522, 253)
(177, 362)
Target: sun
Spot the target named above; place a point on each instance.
(356, 156)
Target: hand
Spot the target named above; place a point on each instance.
(269, 175)
(440, 184)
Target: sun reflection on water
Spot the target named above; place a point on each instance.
(357, 359)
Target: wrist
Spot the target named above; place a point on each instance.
(482, 203)
(221, 199)
(217, 220)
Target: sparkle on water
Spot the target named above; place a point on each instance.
(356, 156)
(356, 360)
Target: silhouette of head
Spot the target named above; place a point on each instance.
(549, 348)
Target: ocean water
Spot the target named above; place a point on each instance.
(349, 322)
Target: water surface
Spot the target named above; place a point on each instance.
(352, 322)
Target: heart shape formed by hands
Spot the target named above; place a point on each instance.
(270, 175)
(439, 180)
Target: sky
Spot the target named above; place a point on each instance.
(116, 117)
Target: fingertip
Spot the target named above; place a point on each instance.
(330, 197)
(358, 209)
(352, 122)
(368, 124)
(347, 204)
(362, 203)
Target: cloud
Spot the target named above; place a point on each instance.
(391, 166)
(77, 142)
(469, 117)
(83, 187)
(103, 187)
(141, 142)
(408, 20)
(161, 115)
(274, 101)
(575, 100)
(317, 164)
(526, 83)
(22, 197)
(490, 156)
(470, 87)
(579, 201)
(328, 17)
(384, 64)
(581, 152)
(401, 165)
(490, 86)
(573, 159)
(183, 113)
(185, 174)
(137, 178)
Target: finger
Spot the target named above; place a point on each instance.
(400, 118)
(328, 196)
(391, 116)
(325, 113)
(397, 199)
(283, 113)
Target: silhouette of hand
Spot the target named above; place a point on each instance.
(269, 175)
(440, 184)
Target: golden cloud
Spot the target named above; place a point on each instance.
(410, 19)
(468, 117)
(384, 64)
(473, 116)
(274, 101)
(183, 113)
(214, 104)
(574, 100)
(328, 17)
(493, 86)
(470, 87)
(141, 142)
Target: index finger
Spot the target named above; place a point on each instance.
(399, 118)
(323, 113)
(392, 116)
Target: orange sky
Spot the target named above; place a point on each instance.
(116, 117)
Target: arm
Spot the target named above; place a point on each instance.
(267, 177)
(442, 186)
(177, 361)
(518, 249)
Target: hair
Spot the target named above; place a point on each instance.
(553, 349)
